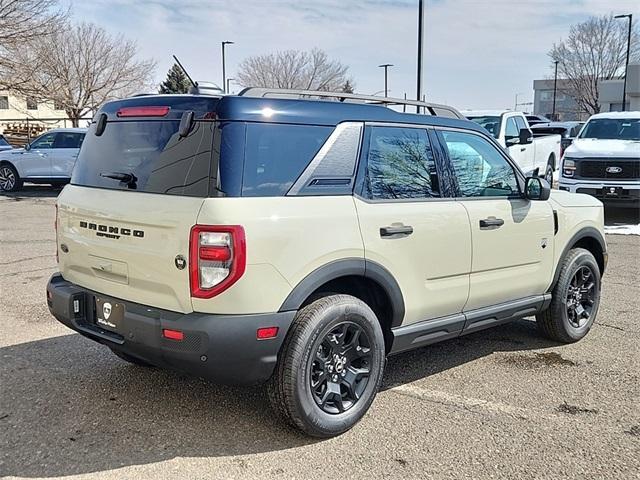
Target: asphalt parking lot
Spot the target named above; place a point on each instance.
(500, 403)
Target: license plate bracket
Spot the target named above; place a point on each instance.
(109, 314)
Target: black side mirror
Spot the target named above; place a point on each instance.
(537, 188)
(525, 136)
(27, 147)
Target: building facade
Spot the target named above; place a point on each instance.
(22, 119)
(610, 96)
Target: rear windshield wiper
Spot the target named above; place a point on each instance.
(129, 179)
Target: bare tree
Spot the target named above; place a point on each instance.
(294, 69)
(22, 21)
(79, 68)
(594, 50)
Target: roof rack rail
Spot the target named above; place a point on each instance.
(425, 108)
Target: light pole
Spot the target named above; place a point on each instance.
(386, 67)
(626, 67)
(555, 86)
(420, 33)
(224, 73)
(229, 80)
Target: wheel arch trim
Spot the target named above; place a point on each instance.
(348, 267)
(585, 232)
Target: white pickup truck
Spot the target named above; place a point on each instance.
(512, 131)
(604, 159)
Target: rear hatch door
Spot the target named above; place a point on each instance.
(136, 191)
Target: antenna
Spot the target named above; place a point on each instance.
(195, 84)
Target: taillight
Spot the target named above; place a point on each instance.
(217, 258)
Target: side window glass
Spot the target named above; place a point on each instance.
(276, 155)
(520, 124)
(511, 129)
(480, 169)
(68, 140)
(44, 142)
(400, 164)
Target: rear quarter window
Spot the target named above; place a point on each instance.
(276, 155)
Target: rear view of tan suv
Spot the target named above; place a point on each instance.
(298, 242)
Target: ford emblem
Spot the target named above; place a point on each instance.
(613, 169)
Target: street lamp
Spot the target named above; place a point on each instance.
(555, 85)
(224, 73)
(386, 67)
(229, 80)
(626, 67)
(420, 33)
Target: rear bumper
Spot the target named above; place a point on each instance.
(222, 348)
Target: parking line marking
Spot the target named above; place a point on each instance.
(474, 405)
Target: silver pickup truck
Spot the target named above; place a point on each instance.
(512, 131)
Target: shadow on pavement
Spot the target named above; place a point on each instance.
(33, 191)
(68, 406)
(621, 216)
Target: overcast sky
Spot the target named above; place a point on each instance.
(477, 53)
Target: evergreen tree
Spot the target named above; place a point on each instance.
(347, 87)
(176, 82)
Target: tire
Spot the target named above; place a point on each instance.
(130, 359)
(548, 173)
(332, 342)
(576, 298)
(10, 181)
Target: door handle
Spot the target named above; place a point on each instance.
(491, 222)
(522, 149)
(396, 230)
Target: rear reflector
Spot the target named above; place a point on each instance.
(266, 332)
(172, 334)
(143, 111)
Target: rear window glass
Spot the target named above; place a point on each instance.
(147, 156)
(276, 155)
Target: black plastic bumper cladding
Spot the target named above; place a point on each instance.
(221, 348)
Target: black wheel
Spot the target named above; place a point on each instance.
(9, 179)
(548, 174)
(130, 359)
(576, 297)
(330, 366)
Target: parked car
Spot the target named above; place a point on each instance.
(535, 119)
(567, 131)
(4, 144)
(604, 160)
(47, 159)
(512, 131)
(255, 238)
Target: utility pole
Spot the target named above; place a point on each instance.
(626, 67)
(224, 72)
(555, 86)
(420, 35)
(386, 68)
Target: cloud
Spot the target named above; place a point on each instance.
(478, 53)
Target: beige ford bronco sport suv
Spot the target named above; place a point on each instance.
(300, 239)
